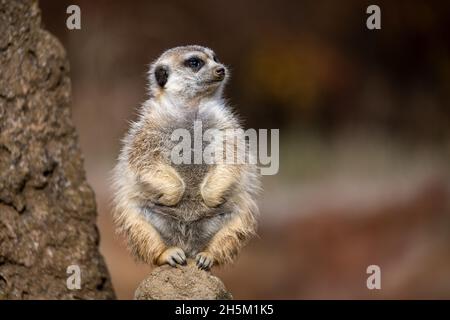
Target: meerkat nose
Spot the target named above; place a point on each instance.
(219, 72)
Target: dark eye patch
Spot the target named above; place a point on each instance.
(195, 63)
(161, 75)
(215, 59)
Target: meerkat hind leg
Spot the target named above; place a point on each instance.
(227, 242)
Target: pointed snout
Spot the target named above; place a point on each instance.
(219, 72)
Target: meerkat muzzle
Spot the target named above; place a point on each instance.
(219, 73)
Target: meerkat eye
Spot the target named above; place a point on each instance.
(215, 59)
(194, 63)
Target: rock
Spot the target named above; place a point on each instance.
(181, 283)
(47, 209)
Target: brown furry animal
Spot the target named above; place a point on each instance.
(170, 212)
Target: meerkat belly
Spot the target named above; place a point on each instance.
(191, 206)
(191, 236)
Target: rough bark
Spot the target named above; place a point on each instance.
(181, 283)
(47, 209)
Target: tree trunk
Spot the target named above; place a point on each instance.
(47, 209)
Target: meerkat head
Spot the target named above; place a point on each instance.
(187, 72)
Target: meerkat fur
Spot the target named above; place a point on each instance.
(171, 212)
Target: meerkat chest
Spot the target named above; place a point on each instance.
(184, 144)
(180, 141)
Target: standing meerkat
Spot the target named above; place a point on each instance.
(170, 212)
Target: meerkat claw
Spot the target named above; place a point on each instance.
(172, 256)
(204, 260)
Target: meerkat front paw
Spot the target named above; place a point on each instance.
(211, 199)
(162, 185)
(171, 198)
(172, 256)
(172, 194)
(204, 260)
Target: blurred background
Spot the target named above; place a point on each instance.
(364, 121)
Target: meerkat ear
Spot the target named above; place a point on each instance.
(161, 75)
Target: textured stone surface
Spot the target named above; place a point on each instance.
(181, 283)
(47, 209)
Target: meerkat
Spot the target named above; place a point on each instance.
(172, 212)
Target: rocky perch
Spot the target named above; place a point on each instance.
(181, 283)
